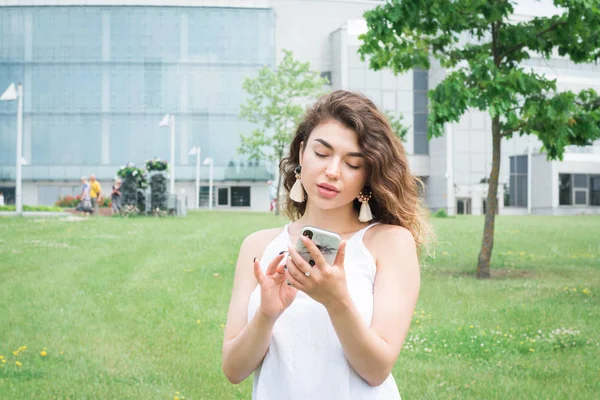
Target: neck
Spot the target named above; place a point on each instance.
(340, 220)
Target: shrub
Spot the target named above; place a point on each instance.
(440, 213)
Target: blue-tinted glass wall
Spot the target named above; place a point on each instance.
(97, 80)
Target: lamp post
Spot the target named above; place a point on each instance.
(209, 161)
(196, 151)
(169, 120)
(12, 93)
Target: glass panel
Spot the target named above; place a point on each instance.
(421, 80)
(240, 196)
(420, 121)
(223, 196)
(513, 165)
(580, 181)
(521, 164)
(564, 189)
(521, 199)
(580, 197)
(595, 190)
(421, 143)
(204, 196)
(460, 207)
(66, 140)
(12, 32)
(512, 189)
(420, 102)
(67, 33)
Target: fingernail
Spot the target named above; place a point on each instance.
(254, 260)
(285, 267)
(281, 252)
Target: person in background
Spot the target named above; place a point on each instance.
(95, 193)
(1, 199)
(272, 196)
(85, 204)
(115, 197)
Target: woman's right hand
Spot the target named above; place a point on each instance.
(275, 294)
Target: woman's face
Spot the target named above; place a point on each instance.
(333, 168)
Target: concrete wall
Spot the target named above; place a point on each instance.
(304, 26)
(541, 182)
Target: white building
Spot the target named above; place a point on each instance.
(190, 58)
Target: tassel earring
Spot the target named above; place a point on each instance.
(297, 192)
(365, 214)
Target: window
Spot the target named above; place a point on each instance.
(420, 112)
(240, 196)
(517, 193)
(579, 190)
(463, 206)
(564, 190)
(223, 196)
(594, 190)
(204, 196)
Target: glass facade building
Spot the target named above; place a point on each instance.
(98, 80)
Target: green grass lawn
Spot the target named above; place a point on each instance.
(134, 309)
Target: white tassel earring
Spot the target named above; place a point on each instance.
(297, 192)
(365, 214)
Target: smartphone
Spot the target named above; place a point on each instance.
(326, 241)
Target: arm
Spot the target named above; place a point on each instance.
(246, 343)
(373, 351)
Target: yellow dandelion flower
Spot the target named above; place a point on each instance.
(222, 325)
(532, 350)
(43, 353)
(175, 398)
(417, 321)
(3, 361)
(585, 291)
(61, 352)
(19, 363)
(471, 326)
(198, 321)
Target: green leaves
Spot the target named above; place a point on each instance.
(396, 124)
(275, 105)
(482, 48)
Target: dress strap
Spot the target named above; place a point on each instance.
(360, 234)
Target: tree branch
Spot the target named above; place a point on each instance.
(516, 128)
(520, 45)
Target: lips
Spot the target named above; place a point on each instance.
(328, 187)
(327, 191)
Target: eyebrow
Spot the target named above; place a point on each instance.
(330, 147)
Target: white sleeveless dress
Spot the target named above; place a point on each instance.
(305, 359)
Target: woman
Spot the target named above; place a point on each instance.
(331, 331)
(115, 197)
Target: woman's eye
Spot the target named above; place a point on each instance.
(320, 155)
(353, 166)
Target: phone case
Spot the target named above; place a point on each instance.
(328, 242)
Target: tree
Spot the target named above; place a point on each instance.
(396, 124)
(275, 105)
(483, 48)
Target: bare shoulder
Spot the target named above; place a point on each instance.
(257, 241)
(385, 240)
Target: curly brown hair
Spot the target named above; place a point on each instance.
(395, 198)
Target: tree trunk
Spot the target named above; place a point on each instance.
(485, 254)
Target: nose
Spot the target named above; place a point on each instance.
(333, 169)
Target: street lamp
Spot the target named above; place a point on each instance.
(169, 120)
(209, 161)
(12, 93)
(196, 151)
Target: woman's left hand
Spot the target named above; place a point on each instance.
(324, 283)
